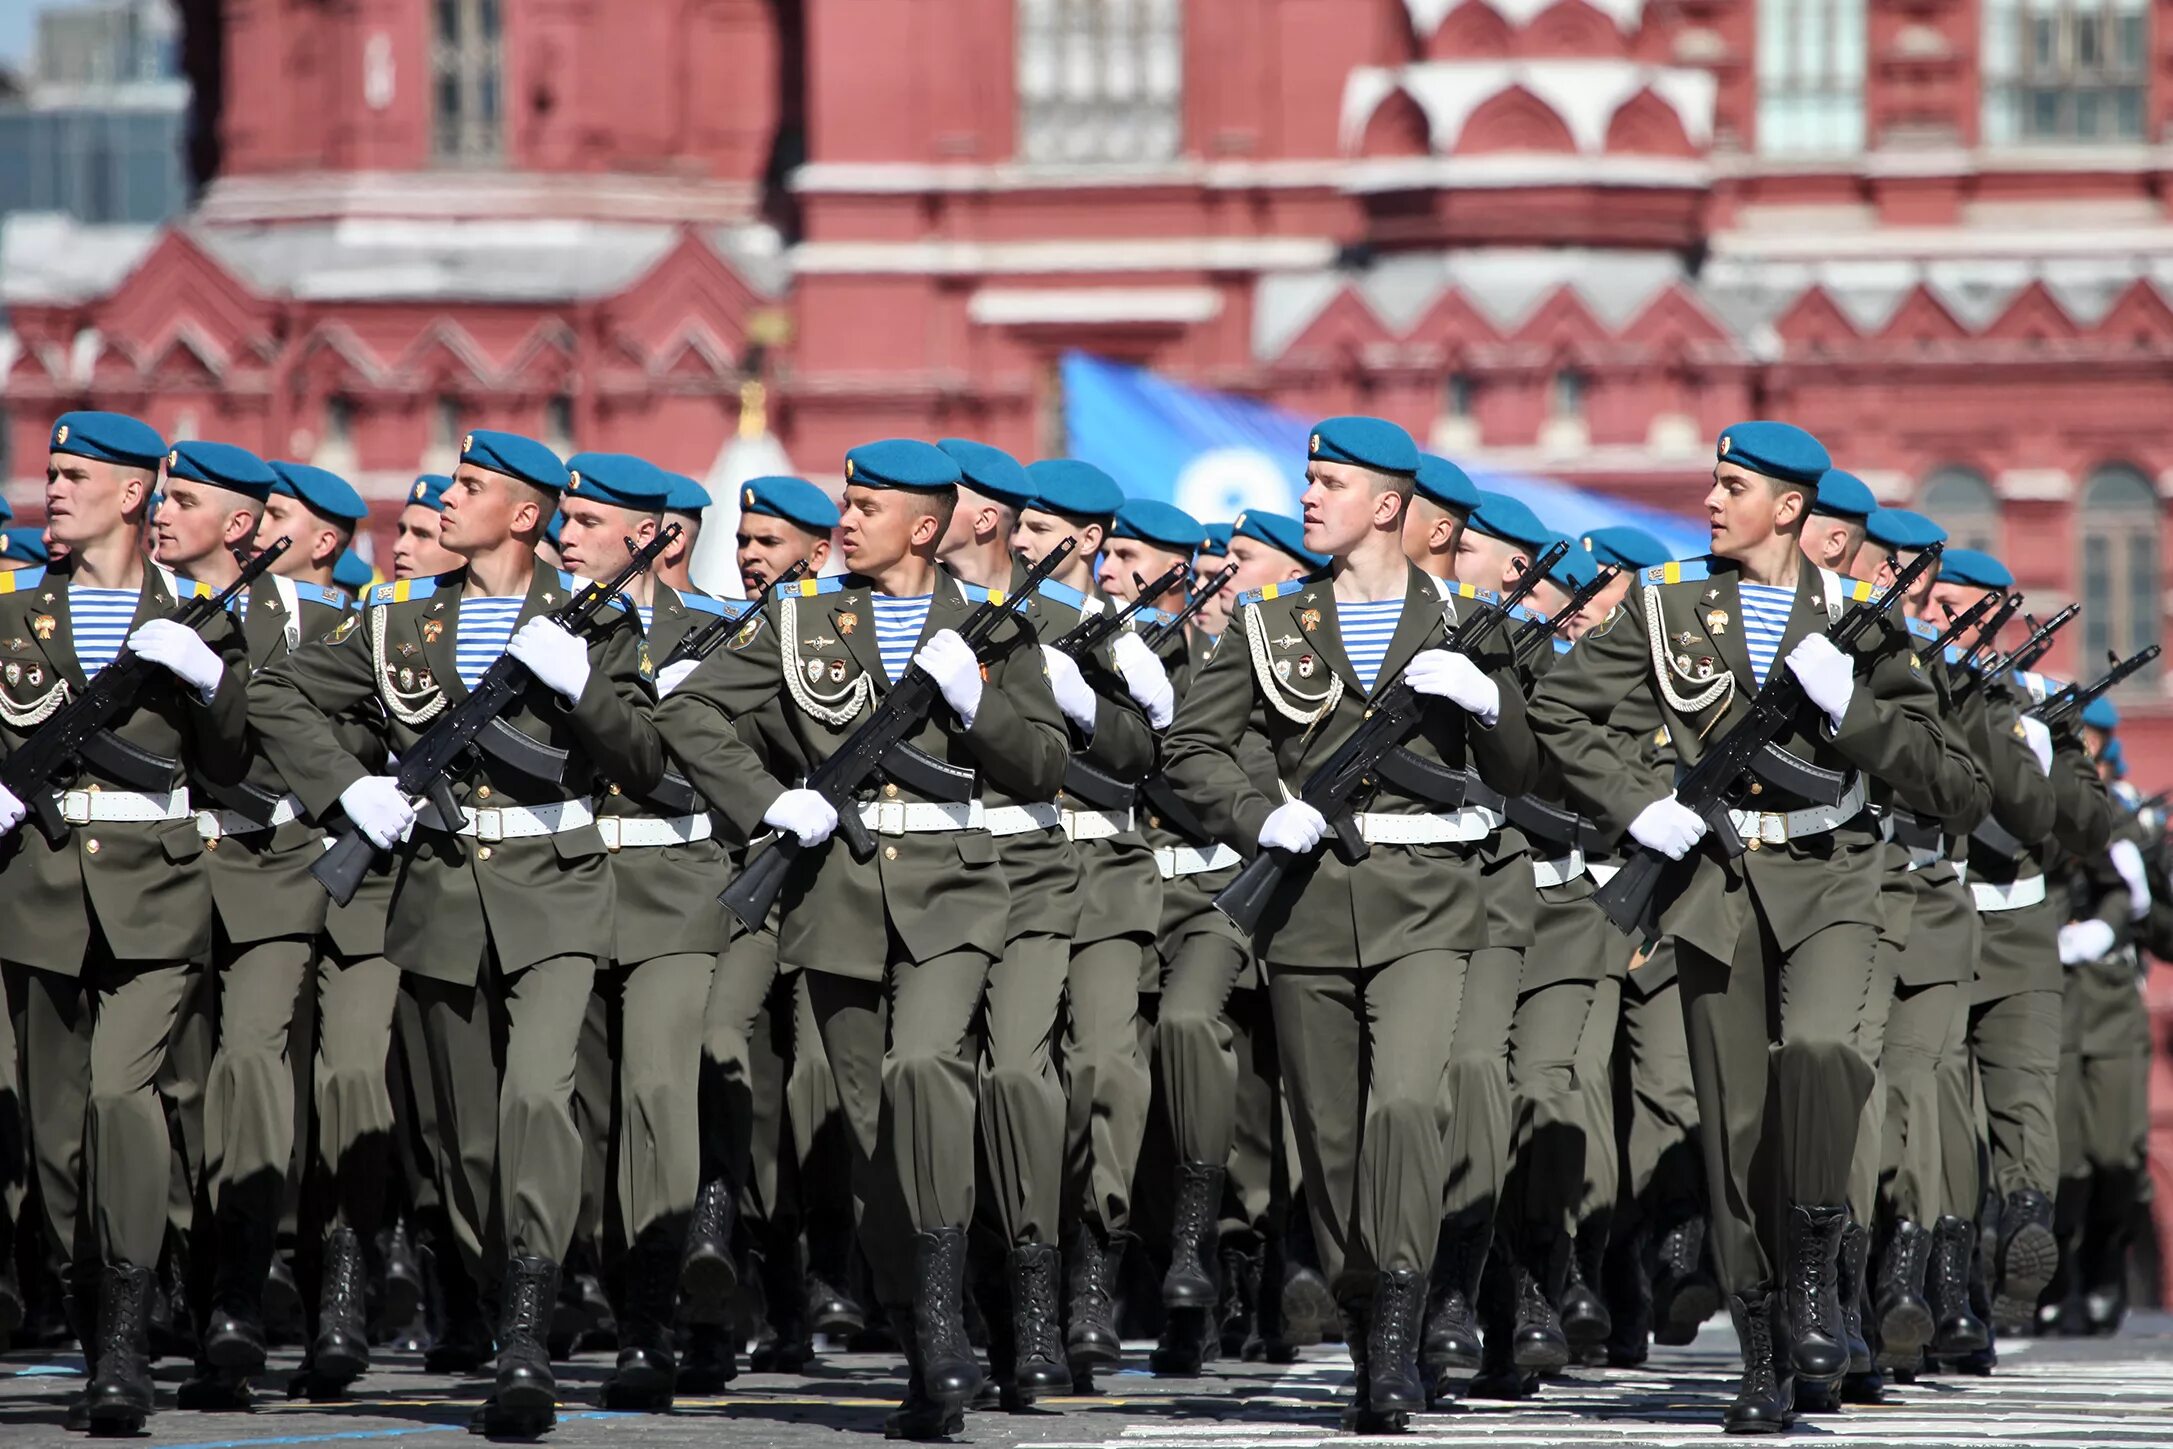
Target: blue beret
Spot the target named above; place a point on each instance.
(326, 493)
(1576, 568)
(1446, 484)
(1073, 488)
(1278, 531)
(6, 511)
(1164, 525)
(1215, 538)
(516, 457)
(109, 438)
(352, 572)
(795, 500)
(1901, 528)
(2116, 756)
(1369, 442)
(24, 545)
(1626, 547)
(1775, 450)
(429, 491)
(901, 463)
(1843, 495)
(619, 479)
(2101, 713)
(1968, 566)
(222, 465)
(687, 496)
(1500, 516)
(556, 528)
(990, 471)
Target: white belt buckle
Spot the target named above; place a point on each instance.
(75, 807)
(208, 825)
(889, 817)
(489, 825)
(608, 827)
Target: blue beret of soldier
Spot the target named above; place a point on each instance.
(2101, 713)
(352, 572)
(687, 496)
(901, 463)
(554, 529)
(325, 493)
(1842, 494)
(1074, 489)
(990, 471)
(1902, 528)
(6, 510)
(24, 545)
(1374, 443)
(1780, 451)
(1626, 547)
(1278, 531)
(1215, 539)
(108, 438)
(222, 465)
(1977, 569)
(1575, 569)
(516, 457)
(795, 500)
(1442, 482)
(428, 490)
(1164, 525)
(1508, 519)
(619, 479)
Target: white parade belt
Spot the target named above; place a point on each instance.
(512, 822)
(2027, 891)
(1773, 827)
(633, 832)
(82, 807)
(1096, 824)
(1601, 872)
(902, 817)
(1559, 871)
(1471, 823)
(217, 824)
(1176, 860)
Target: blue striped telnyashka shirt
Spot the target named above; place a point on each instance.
(1366, 629)
(1765, 619)
(99, 618)
(648, 616)
(898, 625)
(485, 626)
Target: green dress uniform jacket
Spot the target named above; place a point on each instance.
(1281, 676)
(810, 666)
(142, 886)
(1916, 884)
(528, 899)
(1678, 643)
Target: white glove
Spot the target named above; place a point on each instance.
(2127, 860)
(2085, 941)
(12, 812)
(1293, 826)
(1826, 674)
(379, 810)
(1073, 695)
(177, 649)
(950, 661)
(671, 676)
(553, 656)
(1453, 677)
(1668, 826)
(2038, 736)
(803, 812)
(1146, 680)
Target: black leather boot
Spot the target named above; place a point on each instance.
(1684, 1291)
(404, 1291)
(120, 1395)
(1536, 1276)
(828, 1308)
(1090, 1331)
(1957, 1328)
(463, 1340)
(1765, 1403)
(2029, 1254)
(1863, 1383)
(1899, 1307)
(1585, 1319)
(647, 1371)
(949, 1370)
(1038, 1365)
(340, 1352)
(708, 1274)
(1628, 1279)
(1361, 1417)
(1240, 1292)
(782, 1273)
(233, 1339)
(1500, 1376)
(920, 1416)
(1190, 1281)
(1812, 1294)
(1270, 1338)
(1452, 1344)
(282, 1300)
(524, 1400)
(1392, 1346)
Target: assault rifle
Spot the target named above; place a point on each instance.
(1709, 785)
(2077, 697)
(1336, 782)
(1095, 630)
(1537, 632)
(2030, 650)
(421, 773)
(877, 744)
(76, 732)
(700, 643)
(1157, 635)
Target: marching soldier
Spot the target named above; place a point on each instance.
(1366, 963)
(502, 913)
(685, 501)
(416, 551)
(1834, 530)
(105, 902)
(1214, 552)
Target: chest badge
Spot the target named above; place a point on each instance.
(433, 630)
(814, 671)
(43, 626)
(837, 671)
(1285, 641)
(407, 651)
(1716, 621)
(1685, 639)
(1308, 619)
(1305, 667)
(1282, 669)
(847, 622)
(817, 642)
(13, 673)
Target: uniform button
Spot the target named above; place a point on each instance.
(614, 789)
(890, 852)
(1754, 843)
(1369, 714)
(890, 792)
(483, 853)
(1154, 822)
(95, 789)
(482, 792)
(212, 844)
(1757, 787)
(91, 847)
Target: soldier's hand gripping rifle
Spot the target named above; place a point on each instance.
(76, 732)
(2076, 698)
(1093, 631)
(699, 644)
(421, 773)
(869, 748)
(1337, 781)
(1536, 633)
(1708, 786)
(1157, 635)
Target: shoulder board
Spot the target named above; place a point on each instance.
(575, 583)
(2039, 687)
(1519, 612)
(323, 594)
(703, 604)
(1922, 630)
(1062, 594)
(571, 582)
(198, 589)
(21, 579)
(976, 594)
(1278, 591)
(1563, 646)
(1149, 618)
(809, 588)
(1681, 571)
(1468, 591)
(401, 591)
(1954, 654)
(1863, 591)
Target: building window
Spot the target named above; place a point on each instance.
(558, 424)
(339, 421)
(1960, 500)
(1100, 80)
(1810, 76)
(466, 61)
(445, 424)
(1456, 396)
(2064, 70)
(1570, 387)
(2120, 604)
